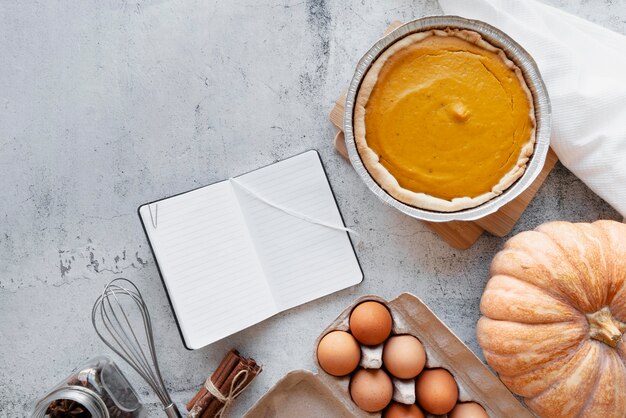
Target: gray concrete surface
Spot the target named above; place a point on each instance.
(109, 104)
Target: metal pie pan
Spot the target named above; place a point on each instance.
(535, 83)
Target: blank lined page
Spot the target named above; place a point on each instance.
(302, 260)
(208, 263)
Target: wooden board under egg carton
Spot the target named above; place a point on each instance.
(461, 234)
(306, 394)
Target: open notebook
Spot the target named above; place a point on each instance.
(229, 260)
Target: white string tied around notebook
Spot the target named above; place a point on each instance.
(237, 386)
(291, 212)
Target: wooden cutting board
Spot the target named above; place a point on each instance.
(462, 234)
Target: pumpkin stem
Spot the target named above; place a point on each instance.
(605, 328)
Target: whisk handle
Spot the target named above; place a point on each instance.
(172, 412)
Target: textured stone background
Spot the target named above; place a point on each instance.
(110, 104)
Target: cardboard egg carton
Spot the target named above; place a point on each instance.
(304, 394)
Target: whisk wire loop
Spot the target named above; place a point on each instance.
(135, 351)
(114, 325)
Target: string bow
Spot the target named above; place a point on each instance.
(238, 385)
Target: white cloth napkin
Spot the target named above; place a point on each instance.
(584, 68)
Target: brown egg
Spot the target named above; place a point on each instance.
(468, 410)
(399, 410)
(370, 323)
(338, 353)
(404, 356)
(371, 389)
(436, 391)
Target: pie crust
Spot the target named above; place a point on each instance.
(519, 130)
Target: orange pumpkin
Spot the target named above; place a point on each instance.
(554, 312)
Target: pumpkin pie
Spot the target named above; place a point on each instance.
(444, 121)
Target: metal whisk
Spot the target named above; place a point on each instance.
(115, 322)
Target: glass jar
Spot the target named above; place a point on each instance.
(99, 387)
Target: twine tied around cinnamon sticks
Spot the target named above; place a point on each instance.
(236, 387)
(232, 377)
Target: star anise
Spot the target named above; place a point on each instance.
(66, 408)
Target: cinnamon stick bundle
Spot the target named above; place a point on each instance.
(233, 375)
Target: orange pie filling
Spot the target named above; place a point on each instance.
(447, 118)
